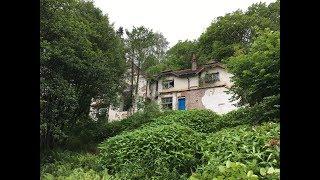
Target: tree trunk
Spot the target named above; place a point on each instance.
(137, 84)
(132, 76)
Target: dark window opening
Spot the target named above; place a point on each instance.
(211, 78)
(168, 84)
(166, 103)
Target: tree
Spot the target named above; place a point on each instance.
(179, 56)
(144, 49)
(257, 73)
(81, 58)
(235, 31)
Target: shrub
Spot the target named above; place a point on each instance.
(198, 120)
(135, 121)
(79, 174)
(232, 170)
(265, 111)
(151, 151)
(61, 163)
(255, 146)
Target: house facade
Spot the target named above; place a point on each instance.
(201, 87)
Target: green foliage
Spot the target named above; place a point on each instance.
(257, 73)
(256, 146)
(262, 112)
(86, 134)
(79, 174)
(144, 47)
(153, 150)
(169, 148)
(81, 58)
(179, 56)
(62, 163)
(233, 33)
(153, 71)
(198, 120)
(207, 121)
(150, 111)
(270, 173)
(232, 170)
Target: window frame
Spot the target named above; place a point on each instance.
(213, 77)
(167, 105)
(167, 84)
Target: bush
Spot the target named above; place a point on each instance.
(61, 163)
(266, 111)
(198, 120)
(149, 152)
(232, 170)
(135, 121)
(257, 147)
(79, 174)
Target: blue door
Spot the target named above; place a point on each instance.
(182, 103)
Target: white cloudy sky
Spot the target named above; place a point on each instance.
(175, 19)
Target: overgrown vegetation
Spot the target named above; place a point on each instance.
(150, 111)
(153, 150)
(256, 146)
(198, 120)
(176, 146)
(82, 57)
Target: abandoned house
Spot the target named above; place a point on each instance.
(196, 88)
(202, 87)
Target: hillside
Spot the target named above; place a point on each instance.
(178, 145)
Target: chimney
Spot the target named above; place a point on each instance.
(194, 63)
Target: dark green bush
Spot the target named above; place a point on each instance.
(62, 162)
(152, 151)
(255, 146)
(198, 120)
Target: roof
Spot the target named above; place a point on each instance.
(190, 72)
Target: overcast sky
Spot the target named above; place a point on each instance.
(175, 19)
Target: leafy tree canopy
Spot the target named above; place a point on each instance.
(179, 56)
(227, 36)
(81, 58)
(257, 73)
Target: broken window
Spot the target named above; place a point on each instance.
(166, 103)
(168, 84)
(211, 78)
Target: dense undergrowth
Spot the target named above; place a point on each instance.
(194, 144)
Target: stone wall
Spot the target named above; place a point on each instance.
(193, 98)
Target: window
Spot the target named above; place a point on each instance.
(211, 78)
(168, 84)
(167, 103)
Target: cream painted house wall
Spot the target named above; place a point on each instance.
(179, 84)
(217, 100)
(194, 82)
(215, 97)
(223, 75)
